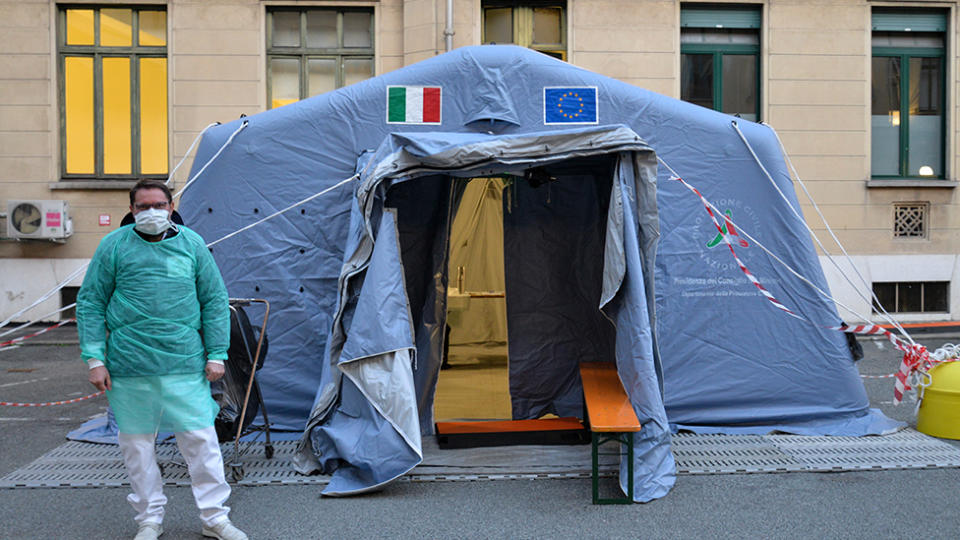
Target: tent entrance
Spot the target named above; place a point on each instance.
(518, 255)
(474, 378)
(472, 402)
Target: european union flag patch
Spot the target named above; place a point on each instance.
(570, 105)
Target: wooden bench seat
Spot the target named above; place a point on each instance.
(610, 417)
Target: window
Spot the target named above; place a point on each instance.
(907, 121)
(312, 51)
(720, 59)
(913, 296)
(113, 91)
(538, 25)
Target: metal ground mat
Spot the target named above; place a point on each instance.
(77, 464)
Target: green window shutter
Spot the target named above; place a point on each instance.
(925, 21)
(696, 17)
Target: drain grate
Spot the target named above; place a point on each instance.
(77, 464)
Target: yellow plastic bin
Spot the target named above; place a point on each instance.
(939, 413)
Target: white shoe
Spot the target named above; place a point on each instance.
(149, 531)
(224, 531)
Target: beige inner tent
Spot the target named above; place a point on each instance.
(474, 383)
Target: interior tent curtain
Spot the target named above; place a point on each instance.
(554, 261)
(476, 245)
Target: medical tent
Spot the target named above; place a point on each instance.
(607, 256)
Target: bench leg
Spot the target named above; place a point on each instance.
(630, 466)
(596, 467)
(621, 438)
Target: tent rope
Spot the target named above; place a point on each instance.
(916, 359)
(816, 207)
(914, 372)
(212, 159)
(823, 248)
(744, 232)
(292, 206)
(26, 324)
(187, 154)
(46, 295)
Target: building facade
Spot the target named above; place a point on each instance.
(863, 94)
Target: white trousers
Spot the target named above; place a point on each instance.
(200, 450)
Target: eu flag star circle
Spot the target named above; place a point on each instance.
(577, 105)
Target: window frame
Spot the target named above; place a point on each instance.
(97, 53)
(522, 20)
(922, 294)
(905, 54)
(304, 54)
(719, 50)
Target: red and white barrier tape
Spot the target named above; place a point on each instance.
(916, 358)
(723, 230)
(14, 341)
(49, 403)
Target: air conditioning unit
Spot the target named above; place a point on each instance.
(43, 220)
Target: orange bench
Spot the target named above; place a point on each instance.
(610, 417)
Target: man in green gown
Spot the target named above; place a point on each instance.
(154, 326)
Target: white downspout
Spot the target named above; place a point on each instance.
(448, 31)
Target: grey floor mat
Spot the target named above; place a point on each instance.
(77, 464)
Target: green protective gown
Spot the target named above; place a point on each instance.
(141, 310)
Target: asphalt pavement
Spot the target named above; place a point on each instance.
(875, 504)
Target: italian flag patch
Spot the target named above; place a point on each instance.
(413, 104)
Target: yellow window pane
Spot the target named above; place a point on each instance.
(78, 108)
(153, 116)
(547, 26)
(153, 28)
(284, 80)
(116, 27)
(79, 27)
(281, 102)
(116, 116)
(498, 25)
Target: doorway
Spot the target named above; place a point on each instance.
(534, 271)
(474, 380)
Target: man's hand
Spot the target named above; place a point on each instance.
(214, 371)
(100, 377)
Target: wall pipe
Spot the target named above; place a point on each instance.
(448, 31)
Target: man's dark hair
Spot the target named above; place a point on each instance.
(149, 183)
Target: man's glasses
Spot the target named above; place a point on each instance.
(156, 206)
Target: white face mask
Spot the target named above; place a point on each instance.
(152, 221)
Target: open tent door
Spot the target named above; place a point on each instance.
(411, 173)
(474, 383)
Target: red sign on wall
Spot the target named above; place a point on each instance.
(104, 220)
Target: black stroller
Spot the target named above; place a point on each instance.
(238, 392)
